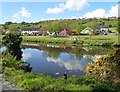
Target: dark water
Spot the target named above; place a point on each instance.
(55, 61)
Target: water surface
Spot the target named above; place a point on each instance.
(55, 61)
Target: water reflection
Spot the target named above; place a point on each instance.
(56, 61)
(69, 65)
(26, 56)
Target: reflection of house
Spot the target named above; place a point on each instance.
(32, 31)
(87, 30)
(66, 31)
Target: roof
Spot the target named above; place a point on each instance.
(103, 26)
(67, 28)
(87, 30)
(30, 29)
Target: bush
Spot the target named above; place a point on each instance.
(12, 43)
(11, 62)
(106, 68)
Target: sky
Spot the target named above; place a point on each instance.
(68, 9)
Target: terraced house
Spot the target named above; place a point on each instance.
(32, 31)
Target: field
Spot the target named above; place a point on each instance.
(85, 40)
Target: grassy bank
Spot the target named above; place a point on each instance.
(29, 81)
(84, 40)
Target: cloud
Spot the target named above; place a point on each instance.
(44, 19)
(58, 9)
(113, 11)
(75, 4)
(23, 13)
(69, 65)
(96, 13)
(69, 5)
(14, 20)
(74, 17)
(102, 13)
(26, 56)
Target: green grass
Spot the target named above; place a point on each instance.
(98, 40)
(94, 40)
(113, 29)
(30, 81)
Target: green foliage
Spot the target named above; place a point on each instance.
(32, 82)
(56, 25)
(85, 40)
(107, 43)
(118, 25)
(12, 43)
(106, 68)
(8, 23)
(92, 24)
(13, 28)
(11, 61)
(77, 27)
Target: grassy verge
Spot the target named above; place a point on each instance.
(84, 40)
(30, 81)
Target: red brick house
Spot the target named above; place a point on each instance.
(66, 31)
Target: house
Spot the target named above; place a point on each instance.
(87, 31)
(32, 31)
(53, 34)
(113, 17)
(65, 31)
(102, 30)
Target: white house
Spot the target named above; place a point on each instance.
(31, 31)
(103, 30)
(87, 30)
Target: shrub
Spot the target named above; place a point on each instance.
(12, 43)
(11, 62)
(106, 68)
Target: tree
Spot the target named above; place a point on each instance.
(12, 28)
(118, 29)
(92, 25)
(12, 43)
(118, 26)
(55, 26)
(79, 27)
(23, 23)
(8, 23)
